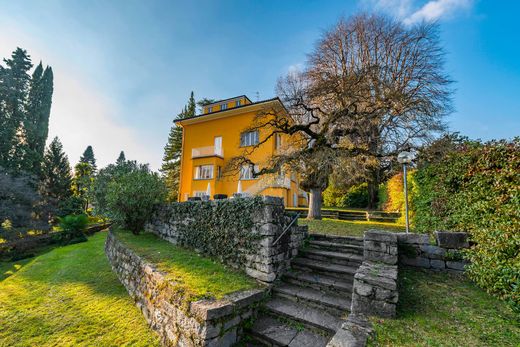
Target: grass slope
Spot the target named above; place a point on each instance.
(440, 309)
(202, 277)
(347, 228)
(68, 296)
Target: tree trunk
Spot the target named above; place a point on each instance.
(315, 204)
(373, 189)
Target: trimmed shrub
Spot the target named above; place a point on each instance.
(131, 198)
(356, 196)
(476, 188)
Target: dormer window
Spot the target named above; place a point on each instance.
(210, 109)
(223, 107)
(238, 103)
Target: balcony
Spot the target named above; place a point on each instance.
(208, 151)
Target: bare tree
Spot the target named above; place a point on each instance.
(371, 88)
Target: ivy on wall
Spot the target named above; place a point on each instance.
(219, 228)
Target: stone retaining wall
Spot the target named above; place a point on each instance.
(416, 250)
(179, 322)
(266, 260)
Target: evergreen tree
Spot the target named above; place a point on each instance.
(121, 159)
(82, 183)
(15, 81)
(88, 158)
(56, 182)
(172, 151)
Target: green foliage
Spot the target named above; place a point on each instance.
(132, 197)
(170, 168)
(88, 158)
(476, 188)
(71, 205)
(72, 228)
(395, 195)
(82, 183)
(217, 228)
(347, 228)
(355, 196)
(106, 175)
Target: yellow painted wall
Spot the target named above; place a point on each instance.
(202, 132)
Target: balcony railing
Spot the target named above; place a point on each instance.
(207, 151)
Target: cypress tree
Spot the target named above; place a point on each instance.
(121, 159)
(56, 182)
(15, 82)
(82, 183)
(88, 158)
(172, 151)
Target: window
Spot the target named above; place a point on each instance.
(246, 172)
(249, 138)
(210, 109)
(238, 103)
(277, 141)
(199, 193)
(204, 172)
(219, 172)
(223, 107)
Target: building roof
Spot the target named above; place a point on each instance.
(228, 99)
(231, 109)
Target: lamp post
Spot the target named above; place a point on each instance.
(405, 158)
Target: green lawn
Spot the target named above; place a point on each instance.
(440, 309)
(347, 228)
(68, 296)
(199, 276)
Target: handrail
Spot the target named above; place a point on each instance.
(287, 228)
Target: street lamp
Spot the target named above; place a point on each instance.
(405, 158)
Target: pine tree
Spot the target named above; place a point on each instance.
(82, 183)
(121, 159)
(56, 182)
(172, 151)
(88, 158)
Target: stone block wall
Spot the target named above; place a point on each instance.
(416, 250)
(273, 248)
(374, 292)
(177, 321)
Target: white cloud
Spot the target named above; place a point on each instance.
(436, 9)
(81, 113)
(410, 11)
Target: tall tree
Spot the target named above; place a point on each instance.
(82, 183)
(170, 168)
(88, 158)
(56, 176)
(371, 87)
(121, 159)
(14, 83)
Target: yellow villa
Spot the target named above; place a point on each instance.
(212, 138)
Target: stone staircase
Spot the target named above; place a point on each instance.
(312, 299)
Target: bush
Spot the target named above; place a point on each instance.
(356, 196)
(131, 198)
(476, 188)
(72, 228)
(71, 205)
(395, 195)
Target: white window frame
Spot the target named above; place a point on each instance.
(223, 106)
(246, 172)
(199, 193)
(277, 141)
(210, 109)
(249, 138)
(204, 172)
(238, 103)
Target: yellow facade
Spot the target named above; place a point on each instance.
(211, 139)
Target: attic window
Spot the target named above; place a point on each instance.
(210, 109)
(238, 103)
(223, 106)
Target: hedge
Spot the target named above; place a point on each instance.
(476, 188)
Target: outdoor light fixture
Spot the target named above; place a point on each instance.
(405, 158)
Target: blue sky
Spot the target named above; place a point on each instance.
(123, 69)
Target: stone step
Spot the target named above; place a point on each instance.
(357, 241)
(340, 304)
(349, 259)
(322, 282)
(336, 246)
(309, 316)
(270, 331)
(326, 268)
